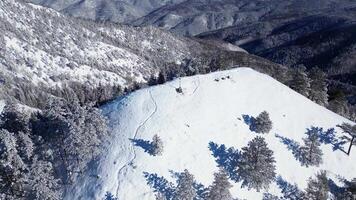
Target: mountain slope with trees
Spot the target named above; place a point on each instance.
(205, 130)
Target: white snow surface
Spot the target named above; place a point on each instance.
(207, 111)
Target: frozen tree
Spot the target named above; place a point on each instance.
(317, 188)
(43, 183)
(25, 146)
(74, 131)
(12, 167)
(351, 137)
(300, 81)
(338, 103)
(257, 165)
(13, 120)
(262, 123)
(185, 187)
(219, 190)
(157, 145)
(311, 153)
(161, 78)
(318, 86)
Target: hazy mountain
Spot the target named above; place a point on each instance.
(112, 10)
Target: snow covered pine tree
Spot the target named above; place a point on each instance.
(300, 81)
(185, 187)
(157, 146)
(311, 154)
(318, 188)
(257, 165)
(318, 86)
(219, 190)
(262, 123)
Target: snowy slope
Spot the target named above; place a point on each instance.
(209, 110)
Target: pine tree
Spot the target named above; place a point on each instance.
(318, 188)
(185, 187)
(257, 165)
(338, 103)
(351, 137)
(219, 190)
(318, 86)
(310, 153)
(262, 123)
(161, 78)
(13, 120)
(157, 145)
(300, 81)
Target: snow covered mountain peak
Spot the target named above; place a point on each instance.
(212, 109)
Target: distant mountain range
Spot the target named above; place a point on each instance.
(318, 33)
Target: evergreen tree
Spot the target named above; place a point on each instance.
(310, 153)
(219, 190)
(338, 103)
(318, 188)
(300, 81)
(161, 78)
(13, 120)
(157, 146)
(351, 137)
(318, 86)
(262, 123)
(185, 187)
(257, 165)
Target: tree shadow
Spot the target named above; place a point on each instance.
(250, 121)
(288, 190)
(327, 137)
(144, 144)
(335, 189)
(292, 145)
(228, 159)
(167, 189)
(160, 185)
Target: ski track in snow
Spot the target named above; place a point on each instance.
(130, 162)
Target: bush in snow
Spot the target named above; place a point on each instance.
(257, 165)
(262, 123)
(317, 188)
(157, 146)
(219, 190)
(310, 152)
(185, 187)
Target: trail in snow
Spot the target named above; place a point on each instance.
(196, 85)
(130, 162)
